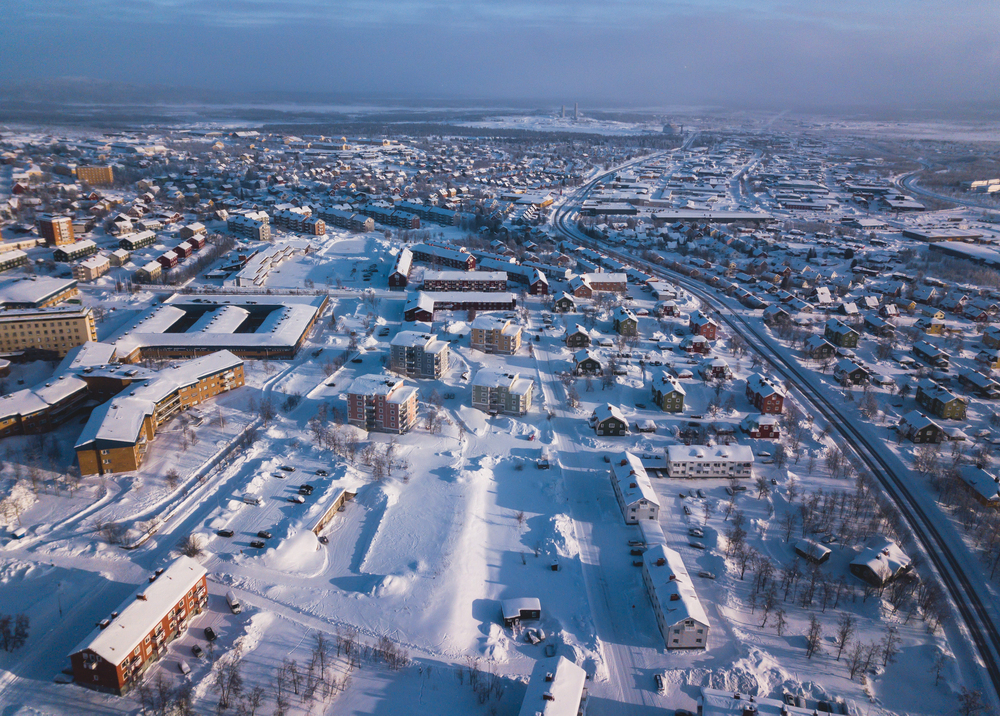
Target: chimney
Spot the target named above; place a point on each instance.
(660, 562)
(548, 696)
(549, 676)
(141, 597)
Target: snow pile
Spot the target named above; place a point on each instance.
(300, 554)
(20, 499)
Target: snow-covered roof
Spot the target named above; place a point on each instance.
(668, 577)
(456, 275)
(511, 608)
(494, 378)
(709, 453)
(731, 703)
(812, 548)
(606, 411)
(32, 291)
(883, 556)
(982, 482)
(222, 320)
(116, 423)
(556, 688)
(666, 383)
(633, 481)
(140, 613)
(413, 339)
(763, 386)
(374, 384)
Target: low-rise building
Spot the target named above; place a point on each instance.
(702, 325)
(71, 252)
(418, 355)
(761, 427)
(12, 259)
(880, 562)
(399, 277)
(444, 256)
(918, 428)
(668, 393)
(818, 348)
(939, 401)
(381, 403)
(700, 461)
(981, 385)
(96, 174)
(764, 395)
(114, 657)
(91, 268)
(134, 242)
(484, 281)
(984, 487)
(680, 616)
(587, 363)
(608, 420)
(930, 354)
(564, 303)
(626, 323)
(495, 391)
(578, 337)
(840, 334)
(633, 490)
(116, 437)
(557, 687)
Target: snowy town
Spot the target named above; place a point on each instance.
(588, 416)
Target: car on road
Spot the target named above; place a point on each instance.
(635, 543)
(287, 468)
(607, 458)
(264, 534)
(706, 575)
(658, 680)
(297, 499)
(257, 544)
(210, 634)
(197, 651)
(225, 533)
(322, 473)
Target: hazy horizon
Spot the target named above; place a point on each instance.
(722, 52)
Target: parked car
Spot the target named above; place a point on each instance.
(306, 489)
(185, 669)
(257, 544)
(701, 493)
(706, 575)
(264, 534)
(687, 510)
(356, 360)
(635, 543)
(323, 539)
(197, 651)
(696, 532)
(696, 545)
(225, 533)
(287, 468)
(322, 473)
(297, 499)
(658, 680)
(210, 634)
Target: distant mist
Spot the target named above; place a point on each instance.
(918, 54)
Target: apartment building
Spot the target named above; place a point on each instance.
(12, 259)
(939, 401)
(418, 355)
(485, 281)
(132, 242)
(117, 435)
(557, 687)
(56, 230)
(424, 304)
(300, 218)
(709, 461)
(381, 403)
(399, 277)
(680, 615)
(96, 175)
(77, 250)
(114, 657)
(633, 489)
(47, 329)
(254, 225)
(36, 292)
(346, 219)
(43, 407)
(443, 256)
(91, 268)
(494, 392)
(495, 335)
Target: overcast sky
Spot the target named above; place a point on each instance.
(772, 53)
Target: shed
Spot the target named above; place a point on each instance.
(517, 610)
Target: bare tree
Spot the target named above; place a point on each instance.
(845, 630)
(814, 638)
(191, 546)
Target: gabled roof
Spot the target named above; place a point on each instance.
(632, 473)
(674, 590)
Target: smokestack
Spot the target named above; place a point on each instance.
(576, 110)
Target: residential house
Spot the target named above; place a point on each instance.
(984, 487)
(939, 401)
(703, 325)
(850, 373)
(840, 334)
(607, 420)
(564, 303)
(696, 344)
(930, 354)
(918, 428)
(668, 393)
(579, 338)
(715, 368)
(587, 363)
(557, 687)
(764, 395)
(725, 461)
(818, 348)
(762, 427)
(880, 562)
(626, 323)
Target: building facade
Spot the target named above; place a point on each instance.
(495, 335)
(381, 403)
(418, 355)
(56, 230)
(46, 329)
(498, 392)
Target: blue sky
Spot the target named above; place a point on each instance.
(649, 52)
